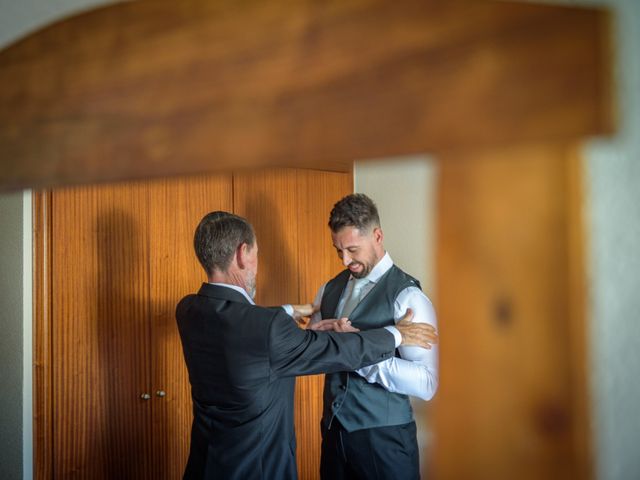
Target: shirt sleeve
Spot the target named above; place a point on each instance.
(416, 371)
(396, 334)
(316, 317)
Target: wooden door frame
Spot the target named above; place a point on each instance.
(42, 337)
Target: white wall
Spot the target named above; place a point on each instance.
(19, 18)
(613, 186)
(11, 350)
(15, 340)
(404, 190)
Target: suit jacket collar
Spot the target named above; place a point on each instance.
(222, 293)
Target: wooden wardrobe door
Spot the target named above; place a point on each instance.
(318, 262)
(176, 207)
(506, 405)
(100, 332)
(122, 257)
(269, 200)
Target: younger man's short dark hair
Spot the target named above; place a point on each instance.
(355, 210)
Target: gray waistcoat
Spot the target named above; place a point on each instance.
(348, 397)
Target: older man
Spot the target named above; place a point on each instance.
(243, 359)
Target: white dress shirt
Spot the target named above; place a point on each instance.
(416, 372)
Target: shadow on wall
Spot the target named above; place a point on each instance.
(277, 281)
(121, 312)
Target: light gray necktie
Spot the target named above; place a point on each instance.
(354, 298)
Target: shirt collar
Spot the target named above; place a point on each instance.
(236, 288)
(380, 268)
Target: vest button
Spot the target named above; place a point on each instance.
(343, 387)
(336, 404)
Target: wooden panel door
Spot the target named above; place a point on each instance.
(176, 207)
(100, 333)
(509, 382)
(122, 257)
(317, 193)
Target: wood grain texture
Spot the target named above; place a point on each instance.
(317, 193)
(269, 200)
(42, 338)
(505, 408)
(100, 330)
(175, 209)
(153, 88)
(121, 258)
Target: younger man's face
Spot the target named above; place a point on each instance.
(359, 250)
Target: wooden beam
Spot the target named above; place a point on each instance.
(151, 88)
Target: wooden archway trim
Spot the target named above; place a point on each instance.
(150, 88)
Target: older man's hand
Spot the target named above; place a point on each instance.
(302, 312)
(419, 334)
(342, 325)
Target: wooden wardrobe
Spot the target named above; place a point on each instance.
(112, 261)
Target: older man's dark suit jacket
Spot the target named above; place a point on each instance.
(242, 361)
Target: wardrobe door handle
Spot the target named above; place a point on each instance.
(161, 393)
(145, 396)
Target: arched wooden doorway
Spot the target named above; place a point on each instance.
(146, 89)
